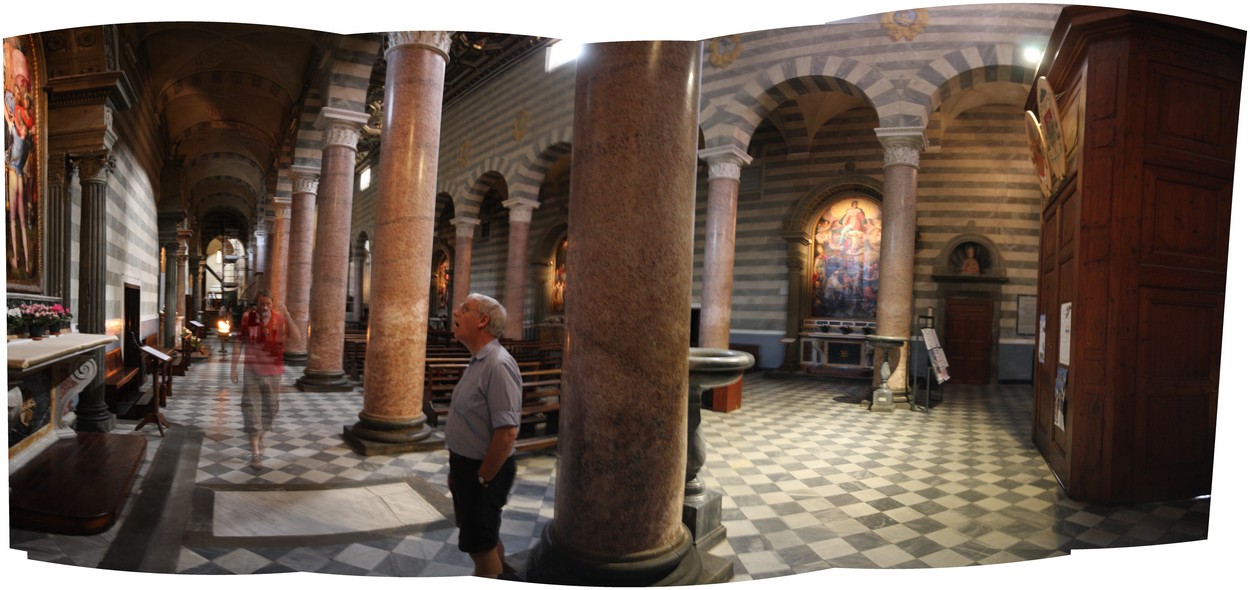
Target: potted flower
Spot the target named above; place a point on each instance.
(192, 344)
(38, 317)
(64, 315)
(16, 322)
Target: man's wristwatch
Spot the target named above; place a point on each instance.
(482, 480)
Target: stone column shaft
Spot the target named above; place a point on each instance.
(716, 300)
(464, 258)
(180, 302)
(324, 371)
(393, 420)
(93, 170)
(623, 410)
(299, 257)
(520, 211)
(898, 241)
(277, 266)
(797, 252)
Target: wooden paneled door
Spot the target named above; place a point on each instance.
(969, 339)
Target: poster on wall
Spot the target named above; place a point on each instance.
(1065, 333)
(1041, 339)
(1061, 396)
(846, 247)
(23, 149)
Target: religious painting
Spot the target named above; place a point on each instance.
(30, 407)
(23, 148)
(846, 259)
(442, 280)
(558, 281)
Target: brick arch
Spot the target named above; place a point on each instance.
(742, 112)
(956, 71)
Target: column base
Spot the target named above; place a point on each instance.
(374, 435)
(702, 516)
(298, 359)
(677, 565)
(318, 381)
(92, 413)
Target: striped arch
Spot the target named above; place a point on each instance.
(952, 73)
(472, 201)
(732, 120)
(346, 77)
(475, 188)
(530, 181)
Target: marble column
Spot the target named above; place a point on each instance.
(898, 243)
(197, 287)
(277, 263)
(299, 257)
(622, 452)
(798, 250)
(520, 211)
(464, 258)
(93, 171)
(169, 244)
(324, 371)
(184, 252)
(58, 226)
(392, 420)
(716, 301)
(260, 264)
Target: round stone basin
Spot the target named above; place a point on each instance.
(717, 367)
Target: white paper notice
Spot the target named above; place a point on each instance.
(1065, 333)
(1041, 339)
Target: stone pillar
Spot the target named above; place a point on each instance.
(798, 250)
(277, 264)
(260, 263)
(464, 258)
(57, 259)
(196, 264)
(324, 371)
(299, 257)
(169, 246)
(716, 302)
(623, 411)
(180, 303)
(93, 171)
(392, 420)
(898, 242)
(520, 211)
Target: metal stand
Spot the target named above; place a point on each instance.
(924, 321)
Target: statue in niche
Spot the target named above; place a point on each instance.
(970, 265)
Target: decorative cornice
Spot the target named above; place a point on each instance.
(437, 41)
(902, 145)
(111, 88)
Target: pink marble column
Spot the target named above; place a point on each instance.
(520, 210)
(898, 244)
(623, 408)
(392, 420)
(184, 248)
(299, 257)
(464, 258)
(324, 371)
(716, 302)
(277, 263)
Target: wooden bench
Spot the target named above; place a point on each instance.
(540, 402)
(120, 381)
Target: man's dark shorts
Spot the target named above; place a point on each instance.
(479, 511)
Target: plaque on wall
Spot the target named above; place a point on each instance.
(1052, 131)
(1037, 151)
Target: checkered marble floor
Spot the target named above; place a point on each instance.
(810, 482)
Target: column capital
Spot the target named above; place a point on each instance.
(902, 145)
(520, 209)
(724, 161)
(341, 126)
(437, 41)
(303, 180)
(465, 225)
(94, 165)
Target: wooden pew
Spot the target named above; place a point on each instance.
(120, 381)
(540, 402)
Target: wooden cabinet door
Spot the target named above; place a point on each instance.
(969, 334)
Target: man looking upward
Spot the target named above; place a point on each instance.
(481, 432)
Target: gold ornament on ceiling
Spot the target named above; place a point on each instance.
(725, 50)
(905, 24)
(520, 124)
(462, 157)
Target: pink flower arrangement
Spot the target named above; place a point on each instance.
(38, 314)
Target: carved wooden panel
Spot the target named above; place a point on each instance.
(1185, 220)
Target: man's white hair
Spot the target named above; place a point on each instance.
(493, 310)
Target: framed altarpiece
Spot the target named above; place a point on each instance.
(24, 175)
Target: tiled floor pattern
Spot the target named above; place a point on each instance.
(810, 480)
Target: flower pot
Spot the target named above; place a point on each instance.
(37, 332)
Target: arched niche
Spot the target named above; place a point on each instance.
(550, 276)
(969, 258)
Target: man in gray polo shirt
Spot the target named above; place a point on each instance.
(481, 432)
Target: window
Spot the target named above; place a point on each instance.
(562, 52)
(366, 178)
